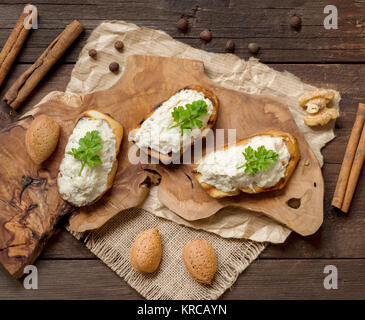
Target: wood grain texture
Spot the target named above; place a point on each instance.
(264, 22)
(29, 206)
(263, 279)
(298, 279)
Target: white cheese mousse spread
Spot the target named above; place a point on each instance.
(220, 168)
(81, 190)
(155, 131)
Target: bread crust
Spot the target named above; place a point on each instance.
(210, 124)
(293, 148)
(118, 132)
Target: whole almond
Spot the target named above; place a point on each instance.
(200, 260)
(41, 138)
(146, 252)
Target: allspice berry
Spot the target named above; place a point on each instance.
(182, 24)
(114, 67)
(119, 45)
(230, 45)
(92, 53)
(206, 35)
(295, 22)
(253, 47)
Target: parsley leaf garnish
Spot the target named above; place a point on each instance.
(189, 117)
(258, 160)
(86, 153)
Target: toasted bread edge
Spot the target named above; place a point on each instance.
(118, 132)
(211, 122)
(293, 149)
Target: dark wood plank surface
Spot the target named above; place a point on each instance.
(264, 279)
(264, 21)
(325, 58)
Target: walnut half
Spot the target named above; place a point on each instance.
(321, 118)
(315, 103)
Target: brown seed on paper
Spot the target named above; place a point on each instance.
(92, 53)
(114, 67)
(119, 45)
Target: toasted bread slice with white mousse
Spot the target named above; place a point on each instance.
(161, 136)
(90, 163)
(260, 163)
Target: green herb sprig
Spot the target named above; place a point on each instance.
(86, 153)
(258, 160)
(189, 117)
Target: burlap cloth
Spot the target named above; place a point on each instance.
(245, 233)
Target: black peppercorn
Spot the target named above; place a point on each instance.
(182, 24)
(119, 45)
(295, 22)
(230, 45)
(206, 35)
(92, 53)
(253, 47)
(114, 67)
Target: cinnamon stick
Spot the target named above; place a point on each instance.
(12, 46)
(25, 84)
(343, 180)
(355, 173)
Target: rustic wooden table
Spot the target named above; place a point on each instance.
(324, 58)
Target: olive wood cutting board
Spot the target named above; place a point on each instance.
(30, 205)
